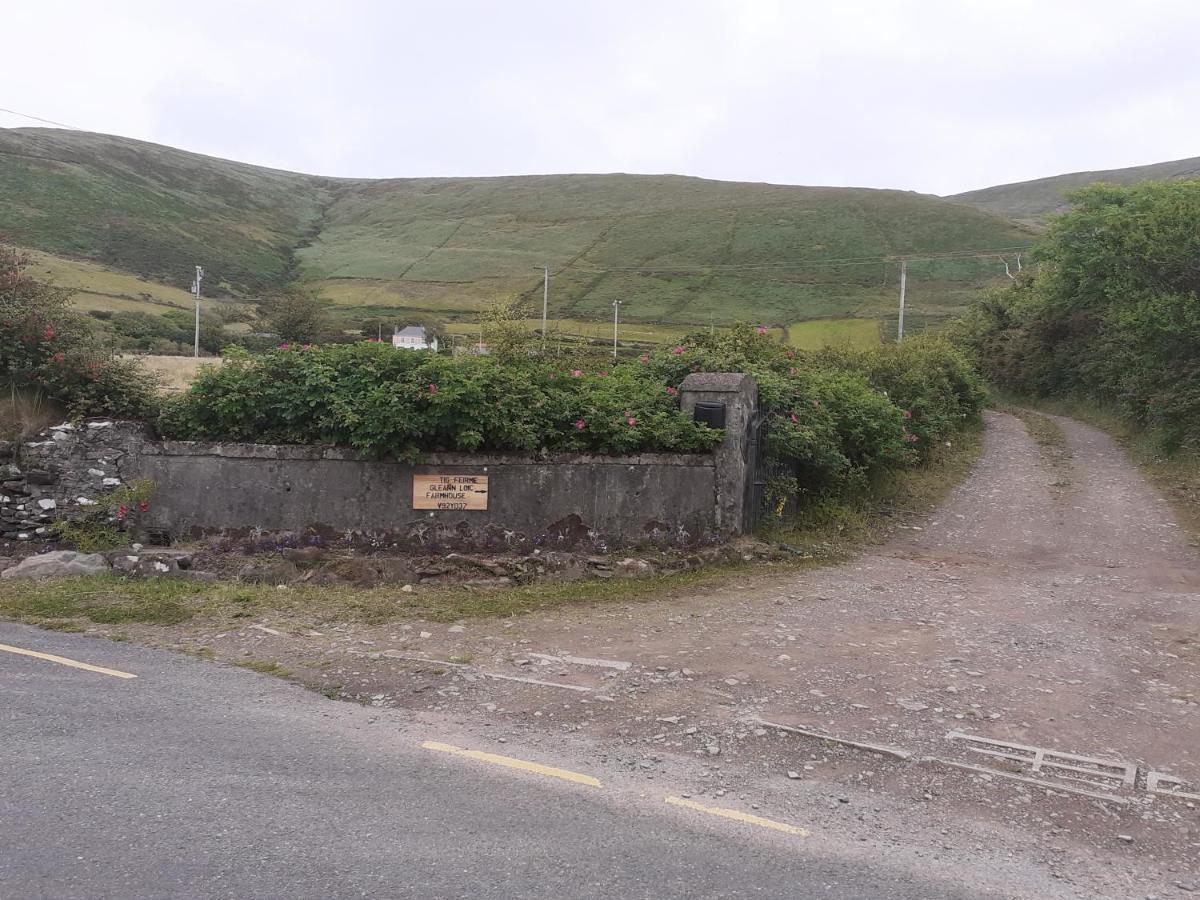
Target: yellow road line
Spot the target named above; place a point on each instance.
(737, 816)
(509, 762)
(63, 661)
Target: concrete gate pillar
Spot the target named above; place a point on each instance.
(739, 394)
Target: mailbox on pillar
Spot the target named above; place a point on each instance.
(710, 413)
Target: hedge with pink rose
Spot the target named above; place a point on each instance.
(836, 417)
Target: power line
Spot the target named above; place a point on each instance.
(40, 119)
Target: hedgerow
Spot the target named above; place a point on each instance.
(839, 416)
(835, 417)
(1112, 312)
(382, 401)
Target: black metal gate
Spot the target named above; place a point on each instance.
(756, 469)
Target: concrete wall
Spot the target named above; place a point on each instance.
(567, 500)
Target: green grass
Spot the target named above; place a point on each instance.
(808, 335)
(265, 667)
(678, 251)
(841, 527)
(819, 333)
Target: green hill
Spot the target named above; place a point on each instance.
(676, 250)
(1030, 201)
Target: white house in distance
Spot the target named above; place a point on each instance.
(414, 337)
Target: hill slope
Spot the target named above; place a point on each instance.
(675, 249)
(1029, 201)
(151, 210)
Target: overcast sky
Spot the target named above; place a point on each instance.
(930, 96)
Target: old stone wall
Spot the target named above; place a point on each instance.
(63, 471)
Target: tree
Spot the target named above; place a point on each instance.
(1112, 313)
(297, 315)
(505, 331)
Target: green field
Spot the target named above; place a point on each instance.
(819, 333)
(807, 335)
(678, 251)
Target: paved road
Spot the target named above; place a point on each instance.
(195, 780)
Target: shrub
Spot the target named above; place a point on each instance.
(1113, 312)
(839, 416)
(387, 402)
(835, 418)
(47, 349)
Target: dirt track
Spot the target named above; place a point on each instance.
(1050, 605)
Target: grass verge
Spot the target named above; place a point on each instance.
(839, 528)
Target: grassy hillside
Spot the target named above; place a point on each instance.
(676, 250)
(1030, 201)
(152, 210)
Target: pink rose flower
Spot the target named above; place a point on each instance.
(579, 424)
(676, 349)
(433, 389)
(761, 329)
(670, 390)
(631, 421)
(575, 373)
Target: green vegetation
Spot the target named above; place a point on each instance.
(155, 211)
(818, 333)
(838, 417)
(383, 401)
(679, 251)
(46, 351)
(102, 527)
(1112, 314)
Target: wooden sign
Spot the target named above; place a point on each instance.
(450, 492)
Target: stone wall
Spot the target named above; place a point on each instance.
(566, 500)
(63, 471)
(321, 493)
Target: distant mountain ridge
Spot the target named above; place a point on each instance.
(118, 219)
(1030, 201)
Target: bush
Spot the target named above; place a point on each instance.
(387, 402)
(1112, 314)
(835, 418)
(47, 349)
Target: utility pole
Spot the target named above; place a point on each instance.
(545, 301)
(616, 320)
(903, 279)
(196, 290)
